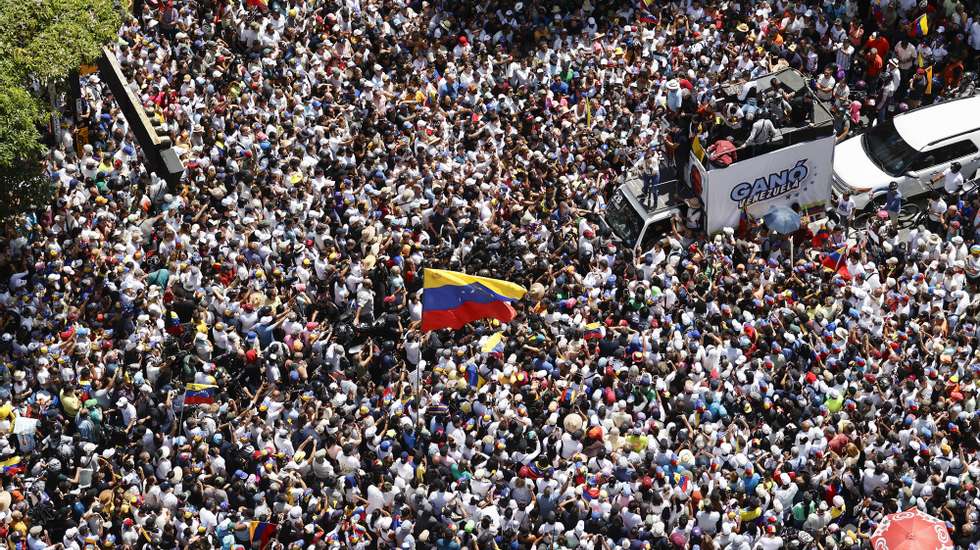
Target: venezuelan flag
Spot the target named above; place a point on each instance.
(451, 299)
(493, 343)
(683, 482)
(568, 395)
(199, 394)
(834, 261)
(11, 466)
(820, 238)
(593, 331)
(261, 532)
(921, 25)
(473, 377)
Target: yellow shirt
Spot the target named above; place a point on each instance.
(70, 403)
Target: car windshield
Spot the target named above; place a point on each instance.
(623, 219)
(887, 149)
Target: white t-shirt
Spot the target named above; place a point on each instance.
(825, 81)
(952, 181)
(845, 208)
(937, 208)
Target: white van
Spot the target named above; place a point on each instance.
(911, 149)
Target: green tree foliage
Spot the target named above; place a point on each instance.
(47, 39)
(20, 113)
(23, 187)
(42, 42)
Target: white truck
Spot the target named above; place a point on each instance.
(794, 168)
(912, 149)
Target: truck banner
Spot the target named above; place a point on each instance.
(796, 174)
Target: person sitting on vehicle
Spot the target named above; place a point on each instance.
(722, 152)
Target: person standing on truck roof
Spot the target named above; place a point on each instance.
(775, 103)
(650, 170)
(763, 131)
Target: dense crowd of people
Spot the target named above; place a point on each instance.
(731, 397)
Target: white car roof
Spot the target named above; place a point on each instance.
(923, 126)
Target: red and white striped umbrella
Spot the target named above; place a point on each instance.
(911, 530)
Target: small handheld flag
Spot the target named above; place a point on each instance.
(834, 261)
(11, 466)
(921, 25)
(473, 377)
(261, 532)
(683, 482)
(593, 331)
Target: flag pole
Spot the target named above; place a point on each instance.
(180, 419)
(418, 397)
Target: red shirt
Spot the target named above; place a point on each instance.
(874, 65)
(880, 43)
(722, 152)
(838, 443)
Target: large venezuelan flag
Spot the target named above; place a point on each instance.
(199, 394)
(452, 299)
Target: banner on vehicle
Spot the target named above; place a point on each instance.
(798, 174)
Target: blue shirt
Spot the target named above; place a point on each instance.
(893, 201)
